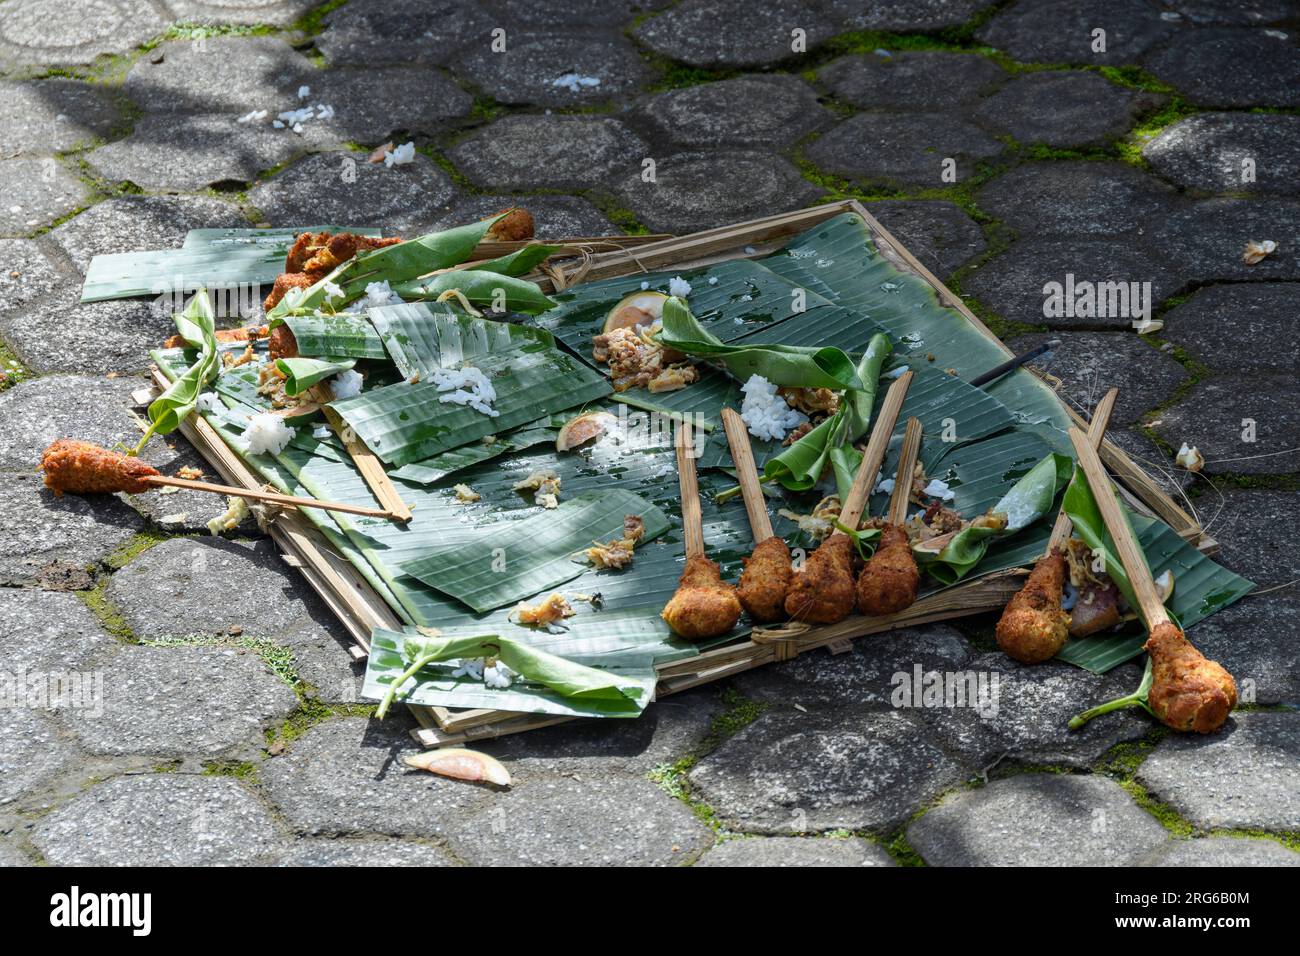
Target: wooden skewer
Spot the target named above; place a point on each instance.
(367, 462)
(856, 501)
(906, 466)
(1096, 432)
(742, 454)
(692, 520)
(273, 496)
(1130, 555)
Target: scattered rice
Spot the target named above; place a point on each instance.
(231, 518)
(765, 412)
(346, 384)
(679, 287)
(896, 372)
(886, 487)
(498, 676)
(208, 402)
(466, 386)
(320, 432)
(380, 294)
(304, 92)
(253, 116)
(400, 156)
(939, 489)
(267, 432)
(575, 82)
(332, 290)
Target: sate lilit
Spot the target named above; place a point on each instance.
(1188, 691)
(822, 593)
(704, 605)
(1033, 626)
(889, 582)
(80, 468)
(766, 580)
(282, 344)
(314, 255)
(515, 226)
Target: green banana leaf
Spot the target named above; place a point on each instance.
(343, 335)
(197, 326)
(503, 565)
(302, 373)
(433, 469)
(407, 422)
(518, 263)
(481, 288)
(423, 337)
(826, 367)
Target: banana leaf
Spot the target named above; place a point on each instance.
(518, 263)
(1028, 501)
(343, 335)
(482, 288)
(486, 573)
(302, 373)
(424, 337)
(434, 469)
(825, 367)
(275, 236)
(197, 326)
(408, 422)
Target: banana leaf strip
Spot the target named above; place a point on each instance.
(482, 288)
(518, 263)
(423, 337)
(302, 373)
(506, 564)
(342, 335)
(458, 459)
(196, 324)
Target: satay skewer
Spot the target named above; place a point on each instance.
(1034, 627)
(889, 582)
(855, 503)
(742, 455)
(275, 497)
(1188, 691)
(766, 579)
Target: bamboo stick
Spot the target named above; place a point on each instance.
(742, 454)
(906, 466)
(692, 520)
(856, 500)
(367, 462)
(1130, 555)
(273, 496)
(1063, 527)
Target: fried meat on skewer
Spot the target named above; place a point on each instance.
(1033, 627)
(704, 605)
(822, 593)
(80, 468)
(889, 582)
(765, 582)
(314, 255)
(1188, 691)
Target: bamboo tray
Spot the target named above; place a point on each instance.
(360, 608)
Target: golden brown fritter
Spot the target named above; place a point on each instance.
(766, 580)
(338, 250)
(704, 605)
(304, 247)
(282, 344)
(822, 593)
(515, 226)
(889, 582)
(1033, 627)
(1188, 692)
(283, 283)
(80, 468)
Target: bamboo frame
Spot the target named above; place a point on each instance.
(360, 608)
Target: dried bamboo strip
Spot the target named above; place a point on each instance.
(1062, 529)
(742, 455)
(874, 456)
(906, 466)
(692, 519)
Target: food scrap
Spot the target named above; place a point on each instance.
(80, 468)
(545, 486)
(466, 495)
(554, 608)
(618, 553)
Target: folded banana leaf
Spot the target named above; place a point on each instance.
(424, 337)
(343, 335)
(499, 291)
(433, 469)
(302, 373)
(520, 262)
(197, 326)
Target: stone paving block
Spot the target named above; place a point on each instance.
(172, 819)
(669, 730)
(231, 74)
(166, 153)
(1207, 239)
(26, 275)
(1246, 776)
(1062, 108)
(1216, 415)
(376, 32)
(1077, 199)
(602, 13)
(937, 232)
(541, 69)
(34, 192)
(904, 16)
(48, 541)
(370, 105)
(135, 223)
(343, 189)
(43, 410)
(796, 851)
(54, 115)
(51, 33)
(1012, 283)
(181, 511)
(1236, 13)
(1038, 820)
(1230, 153)
(697, 191)
(32, 754)
(757, 111)
(1239, 328)
(1206, 66)
(1061, 31)
(1091, 363)
(554, 217)
(62, 334)
(11, 855)
(838, 768)
(1224, 851)
(182, 701)
(1155, 460)
(49, 632)
(1252, 539)
(549, 152)
(346, 776)
(280, 13)
(909, 149)
(385, 853)
(1253, 639)
(922, 80)
(732, 33)
(560, 821)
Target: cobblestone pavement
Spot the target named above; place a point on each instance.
(230, 729)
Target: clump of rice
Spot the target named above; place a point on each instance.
(380, 294)
(939, 489)
(346, 384)
(679, 287)
(208, 402)
(498, 676)
(267, 432)
(575, 82)
(400, 156)
(332, 290)
(765, 413)
(466, 386)
(253, 116)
